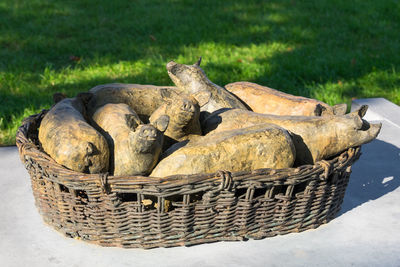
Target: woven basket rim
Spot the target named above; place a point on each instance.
(63, 175)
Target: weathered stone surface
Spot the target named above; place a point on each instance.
(262, 99)
(70, 140)
(315, 137)
(134, 146)
(184, 115)
(143, 99)
(192, 80)
(260, 146)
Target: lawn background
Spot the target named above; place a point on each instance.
(332, 50)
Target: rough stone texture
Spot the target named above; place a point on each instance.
(143, 99)
(192, 80)
(66, 136)
(315, 137)
(183, 115)
(260, 146)
(134, 147)
(262, 99)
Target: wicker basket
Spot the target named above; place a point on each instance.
(111, 211)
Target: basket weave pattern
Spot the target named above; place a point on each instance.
(224, 206)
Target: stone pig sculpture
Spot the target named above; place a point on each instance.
(314, 137)
(143, 99)
(183, 115)
(134, 146)
(260, 146)
(192, 80)
(266, 100)
(70, 140)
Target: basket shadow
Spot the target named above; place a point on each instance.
(374, 175)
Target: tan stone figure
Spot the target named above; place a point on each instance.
(260, 146)
(191, 79)
(183, 115)
(262, 99)
(314, 137)
(143, 99)
(70, 140)
(134, 146)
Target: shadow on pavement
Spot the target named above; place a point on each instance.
(375, 174)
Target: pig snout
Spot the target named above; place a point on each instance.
(148, 132)
(171, 66)
(188, 106)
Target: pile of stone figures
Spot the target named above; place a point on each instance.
(195, 127)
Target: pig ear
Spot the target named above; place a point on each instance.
(340, 109)
(362, 110)
(359, 112)
(85, 97)
(161, 123)
(202, 97)
(197, 64)
(192, 99)
(357, 116)
(132, 121)
(57, 97)
(90, 148)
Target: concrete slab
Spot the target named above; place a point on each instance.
(366, 233)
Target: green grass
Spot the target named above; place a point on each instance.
(332, 50)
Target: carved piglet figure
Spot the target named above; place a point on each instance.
(184, 114)
(68, 138)
(314, 137)
(143, 99)
(191, 79)
(262, 99)
(134, 146)
(246, 149)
